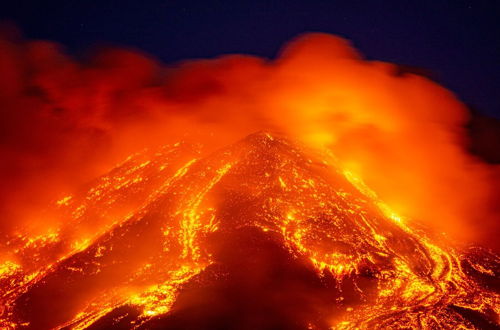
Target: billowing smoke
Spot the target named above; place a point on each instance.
(65, 121)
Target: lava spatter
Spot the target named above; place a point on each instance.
(263, 233)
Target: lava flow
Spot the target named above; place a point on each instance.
(262, 234)
(352, 202)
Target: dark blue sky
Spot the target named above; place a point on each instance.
(457, 40)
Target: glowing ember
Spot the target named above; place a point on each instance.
(263, 233)
(330, 218)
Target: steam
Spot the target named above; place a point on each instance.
(64, 121)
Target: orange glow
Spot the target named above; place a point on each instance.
(135, 192)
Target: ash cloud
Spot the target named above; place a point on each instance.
(65, 121)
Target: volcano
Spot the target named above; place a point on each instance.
(262, 234)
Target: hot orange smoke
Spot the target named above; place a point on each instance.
(66, 121)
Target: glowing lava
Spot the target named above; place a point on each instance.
(260, 234)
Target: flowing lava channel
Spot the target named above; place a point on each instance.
(268, 232)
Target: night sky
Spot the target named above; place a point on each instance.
(457, 41)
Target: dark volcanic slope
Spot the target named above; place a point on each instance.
(257, 235)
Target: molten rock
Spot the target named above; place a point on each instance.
(259, 235)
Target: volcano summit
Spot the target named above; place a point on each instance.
(262, 234)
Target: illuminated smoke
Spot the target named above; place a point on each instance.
(138, 195)
(65, 121)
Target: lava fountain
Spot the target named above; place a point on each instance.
(315, 191)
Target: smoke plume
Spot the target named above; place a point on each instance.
(65, 121)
